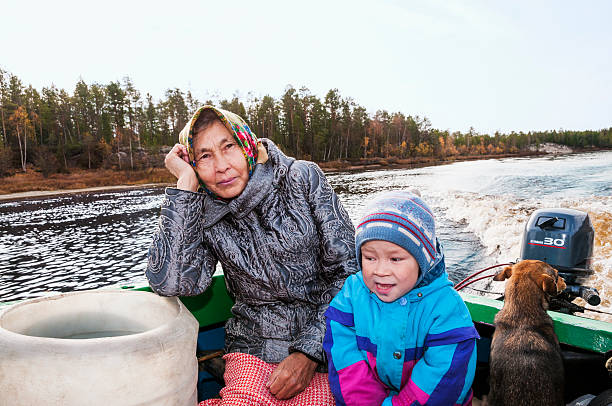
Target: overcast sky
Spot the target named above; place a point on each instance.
(494, 65)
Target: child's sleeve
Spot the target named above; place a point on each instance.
(444, 375)
(351, 378)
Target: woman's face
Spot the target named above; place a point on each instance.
(220, 162)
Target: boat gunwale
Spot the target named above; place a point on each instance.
(214, 306)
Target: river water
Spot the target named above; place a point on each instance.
(92, 240)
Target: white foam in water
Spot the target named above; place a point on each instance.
(493, 200)
(481, 209)
(496, 206)
(500, 223)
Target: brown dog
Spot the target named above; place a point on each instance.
(525, 363)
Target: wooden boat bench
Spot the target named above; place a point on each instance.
(212, 362)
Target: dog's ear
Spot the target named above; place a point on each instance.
(503, 274)
(548, 284)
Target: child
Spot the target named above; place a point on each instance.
(397, 332)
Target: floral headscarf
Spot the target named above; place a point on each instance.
(237, 126)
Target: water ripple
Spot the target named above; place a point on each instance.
(92, 240)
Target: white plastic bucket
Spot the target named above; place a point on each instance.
(102, 347)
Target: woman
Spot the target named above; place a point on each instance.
(284, 241)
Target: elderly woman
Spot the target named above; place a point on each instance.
(284, 241)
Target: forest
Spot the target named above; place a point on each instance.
(116, 126)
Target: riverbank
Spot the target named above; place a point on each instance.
(33, 184)
(409, 163)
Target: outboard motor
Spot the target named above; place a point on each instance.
(563, 238)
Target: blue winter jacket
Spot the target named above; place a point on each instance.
(419, 349)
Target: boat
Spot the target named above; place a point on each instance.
(586, 343)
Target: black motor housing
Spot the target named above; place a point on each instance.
(563, 238)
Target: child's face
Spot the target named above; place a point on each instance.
(388, 270)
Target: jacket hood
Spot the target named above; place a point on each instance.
(438, 268)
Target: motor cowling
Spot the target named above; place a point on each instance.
(563, 238)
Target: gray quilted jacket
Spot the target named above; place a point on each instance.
(286, 246)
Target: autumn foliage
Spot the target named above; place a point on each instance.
(115, 127)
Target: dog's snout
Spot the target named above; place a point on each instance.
(560, 284)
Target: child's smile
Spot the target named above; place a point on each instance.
(384, 288)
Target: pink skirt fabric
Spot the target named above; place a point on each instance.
(245, 385)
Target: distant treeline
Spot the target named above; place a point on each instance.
(114, 125)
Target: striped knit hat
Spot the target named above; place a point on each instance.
(405, 220)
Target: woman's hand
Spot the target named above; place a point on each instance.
(177, 162)
(291, 376)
